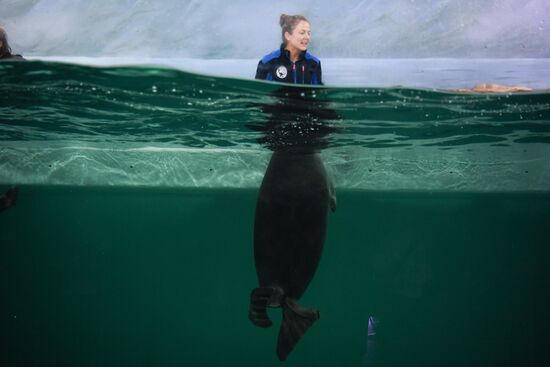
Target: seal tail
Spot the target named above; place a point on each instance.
(297, 319)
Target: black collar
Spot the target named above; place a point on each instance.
(286, 52)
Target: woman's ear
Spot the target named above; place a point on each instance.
(287, 36)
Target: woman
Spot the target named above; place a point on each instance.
(5, 49)
(291, 63)
(296, 194)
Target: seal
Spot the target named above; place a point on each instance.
(289, 235)
(9, 199)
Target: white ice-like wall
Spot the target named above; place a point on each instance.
(249, 29)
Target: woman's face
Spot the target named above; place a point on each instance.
(299, 38)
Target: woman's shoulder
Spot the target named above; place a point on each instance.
(310, 57)
(271, 56)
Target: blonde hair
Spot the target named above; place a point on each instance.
(289, 22)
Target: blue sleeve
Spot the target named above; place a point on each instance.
(319, 74)
(262, 72)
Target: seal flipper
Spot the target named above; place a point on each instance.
(260, 299)
(297, 319)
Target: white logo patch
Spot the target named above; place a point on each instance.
(281, 72)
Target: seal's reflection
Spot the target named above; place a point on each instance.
(291, 211)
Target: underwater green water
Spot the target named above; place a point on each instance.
(131, 241)
(121, 276)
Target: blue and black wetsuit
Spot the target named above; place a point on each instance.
(278, 67)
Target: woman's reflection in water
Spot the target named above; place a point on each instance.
(291, 211)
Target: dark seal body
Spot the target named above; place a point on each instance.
(289, 235)
(291, 222)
